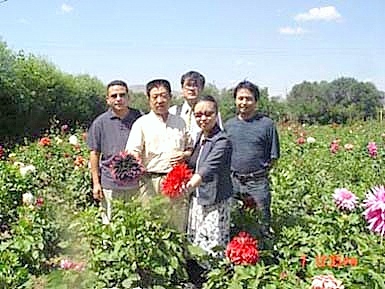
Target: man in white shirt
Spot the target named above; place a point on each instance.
(160, 139)
(193, 84)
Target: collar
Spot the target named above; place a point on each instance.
(185, 108)
(154, 115)
(112, 115)
(211, 135)
(256, 116)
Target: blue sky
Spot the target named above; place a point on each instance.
(275, 44)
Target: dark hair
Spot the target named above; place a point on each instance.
(209, 98)
(117, 82)
(194, 76)
(158, 83)
(249, 86)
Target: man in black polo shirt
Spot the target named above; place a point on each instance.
(107, 136)
(255, 149)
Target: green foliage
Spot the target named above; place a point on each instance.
(33, 91)
(31, 243)
(12, 186)
(338, 101)
(136, 249)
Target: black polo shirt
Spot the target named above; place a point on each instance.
(255, 143)
(108, 135)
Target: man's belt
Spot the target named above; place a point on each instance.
(155, 175)
(249, 176)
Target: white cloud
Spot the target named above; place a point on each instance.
(65, 8)
(292, 30)
(327, 13)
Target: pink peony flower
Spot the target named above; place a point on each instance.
(334, 146)
(375, 210)
(67, 264)
(326, 282)
(345, 199)
(372, 149)
(64, 128)
(301, 140)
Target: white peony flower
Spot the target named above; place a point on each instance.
(73, 140)
(26, 169)
(18, 164)
(28, 199)
(310, 139)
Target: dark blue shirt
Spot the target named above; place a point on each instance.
(108, 135)
(255, 143)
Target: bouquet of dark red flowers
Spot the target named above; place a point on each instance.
(242, 250)
(174, 182)
(126, 168)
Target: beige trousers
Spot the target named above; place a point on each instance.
(109, 195)
(176, 209)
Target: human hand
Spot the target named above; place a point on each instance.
(194, 182)
(97, 192)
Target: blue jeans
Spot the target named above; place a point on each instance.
(258, 188)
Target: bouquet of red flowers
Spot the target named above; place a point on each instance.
(175, 180)
(242, 250)
(126, 168)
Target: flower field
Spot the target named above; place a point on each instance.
(328, 226)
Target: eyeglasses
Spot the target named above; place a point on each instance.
(207, 114)
(122, 95)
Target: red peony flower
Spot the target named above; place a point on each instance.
(242, 249)
(39, 202)
(249, 202)
(125, 168)
(45, 141)
(176, 179)
(1, 151)
(79, 161)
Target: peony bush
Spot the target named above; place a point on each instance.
(327, 221)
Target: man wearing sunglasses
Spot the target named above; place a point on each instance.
(107, 136)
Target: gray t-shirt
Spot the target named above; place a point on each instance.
(255, 143)
(108, 135)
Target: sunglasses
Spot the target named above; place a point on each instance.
(122, 95)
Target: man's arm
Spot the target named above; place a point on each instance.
(97, 191)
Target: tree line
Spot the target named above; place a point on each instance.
(34, 92)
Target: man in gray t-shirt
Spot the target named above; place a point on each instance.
(255, 149)
(107, 137)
